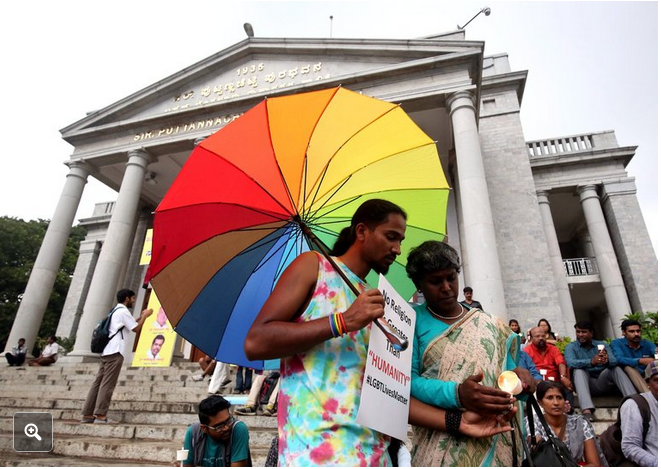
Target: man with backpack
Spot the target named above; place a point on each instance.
(120, 322)
(633, 439)
(218, 440)
(639, 448)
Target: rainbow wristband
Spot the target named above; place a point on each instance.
(338, 326)
(344, 325)
(334, 330)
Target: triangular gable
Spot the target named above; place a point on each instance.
(259, 67)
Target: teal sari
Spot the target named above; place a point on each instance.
(479, 341)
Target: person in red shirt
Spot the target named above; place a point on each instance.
(547, 357)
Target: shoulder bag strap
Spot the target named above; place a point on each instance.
(645, 413)
(524, 443)
(533, 403)
(199, 442)
(118, 330)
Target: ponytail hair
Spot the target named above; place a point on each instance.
(371, 213)
(344, 241)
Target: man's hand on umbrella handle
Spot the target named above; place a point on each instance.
(146, 313)
(368, 306)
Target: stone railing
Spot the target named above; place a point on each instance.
(572, 144)
(560, 145)
(580, 266)
(103, 208)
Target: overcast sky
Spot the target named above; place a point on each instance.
(592, 66)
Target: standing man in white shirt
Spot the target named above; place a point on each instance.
(98, 399)
(48, 354)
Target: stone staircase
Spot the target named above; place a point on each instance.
(153, 408)
(606, 412)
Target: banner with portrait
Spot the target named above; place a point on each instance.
(145, 256)
(156, 344)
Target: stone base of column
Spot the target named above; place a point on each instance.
(73, 358)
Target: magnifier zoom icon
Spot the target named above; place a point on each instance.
(31, 430)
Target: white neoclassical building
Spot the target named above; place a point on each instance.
(548, 228)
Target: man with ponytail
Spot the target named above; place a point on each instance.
(315, 323)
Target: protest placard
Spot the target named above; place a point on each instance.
(386, 391)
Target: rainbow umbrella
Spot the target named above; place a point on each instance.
(282, 179)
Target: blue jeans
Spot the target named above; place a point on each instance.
(243, 379)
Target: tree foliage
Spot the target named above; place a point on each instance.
(19, 244)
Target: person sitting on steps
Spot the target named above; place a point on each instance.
(253, 403)
(208, 365)
(218, 440)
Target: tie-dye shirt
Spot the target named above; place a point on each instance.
(320, 389)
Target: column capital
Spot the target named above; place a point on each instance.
(543, 197)
(459, 100)
(588, 191)
(141, 157)
(79, 168)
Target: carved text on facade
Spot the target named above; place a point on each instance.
(214, 122)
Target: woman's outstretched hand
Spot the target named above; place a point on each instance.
(482, 399)
(484, 425)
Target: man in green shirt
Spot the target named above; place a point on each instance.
(219, 440)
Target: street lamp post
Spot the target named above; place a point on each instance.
(485, 10)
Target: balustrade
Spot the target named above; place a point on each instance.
(553, 146)
(580, 266)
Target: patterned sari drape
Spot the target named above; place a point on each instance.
(479, 341)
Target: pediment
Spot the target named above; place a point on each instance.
(258, 67)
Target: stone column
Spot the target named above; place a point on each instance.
(586, 243)
(135, 273)
(115, 250)
(88, 255)
(42, 278)
(632, 244)
(609, 270)
(479, 243)
(559, 273)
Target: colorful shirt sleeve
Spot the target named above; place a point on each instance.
(240, 442)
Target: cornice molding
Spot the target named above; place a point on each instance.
(425, 53)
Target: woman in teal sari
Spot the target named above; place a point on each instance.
(458, 355)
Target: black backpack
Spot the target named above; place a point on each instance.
(611, 439)
(101, 334)
(268, 386)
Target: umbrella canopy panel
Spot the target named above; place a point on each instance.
(229, 225)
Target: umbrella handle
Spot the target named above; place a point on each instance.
(398, 342)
